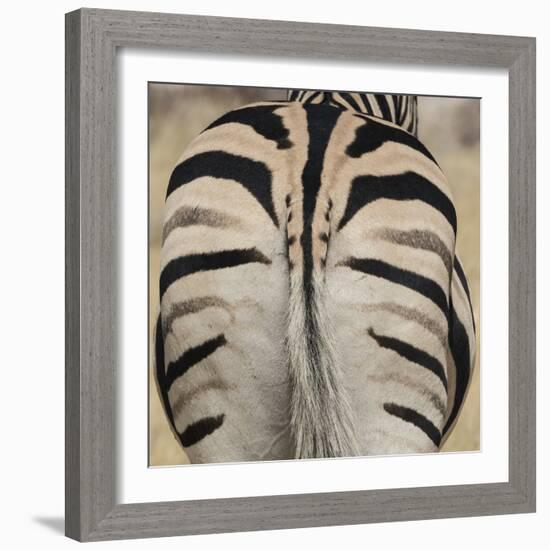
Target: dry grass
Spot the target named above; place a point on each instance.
(449, 128)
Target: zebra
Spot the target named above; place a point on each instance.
(312, 304)
(399, 109)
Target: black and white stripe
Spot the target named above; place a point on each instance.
(399, 109)
(312, 303)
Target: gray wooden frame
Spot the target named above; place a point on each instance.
(92, 39)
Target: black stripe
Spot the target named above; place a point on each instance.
(413, 417)
(366, 104)
(399, 187)
(254, 176)
(460, 350)
(293, 96)
(423, 285)
(200, 429)
(384, 107)
(372, 135)
(348, 98)
(191, 357)
(159, 369)
(415, 111)
(398, 103)
(321, 120)
(411, 353)
(313, 96)
(264, 121)
(407, 108)
(193, 263)
(393, 102)
(464, 283)
(462, 276)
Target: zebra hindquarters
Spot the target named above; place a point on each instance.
(392, 334)
(224, 296)
(388, 277)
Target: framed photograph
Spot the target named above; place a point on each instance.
(300, 274)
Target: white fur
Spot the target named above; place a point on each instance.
(321, 417)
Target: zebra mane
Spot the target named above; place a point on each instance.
(399, 109)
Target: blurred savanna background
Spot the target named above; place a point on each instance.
(449, 127)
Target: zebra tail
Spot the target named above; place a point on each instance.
(320, 412)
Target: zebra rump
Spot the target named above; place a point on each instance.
(312, 304)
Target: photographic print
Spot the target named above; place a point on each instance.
(313, 274)
(313, 256)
